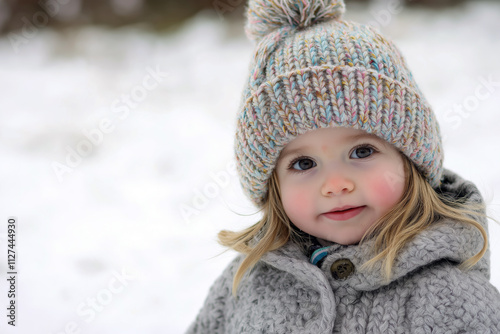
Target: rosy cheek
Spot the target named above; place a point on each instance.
(296, 204)
(386, 190)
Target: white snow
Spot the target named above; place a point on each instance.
(107, 250)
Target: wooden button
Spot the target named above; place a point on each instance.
(342, 269)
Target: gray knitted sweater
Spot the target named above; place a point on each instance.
(428, 293)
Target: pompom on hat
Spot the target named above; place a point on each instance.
(314, 70)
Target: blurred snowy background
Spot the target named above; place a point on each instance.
(117, 159)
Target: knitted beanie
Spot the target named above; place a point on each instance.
(311, 70)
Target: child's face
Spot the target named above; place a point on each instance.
(326, 170)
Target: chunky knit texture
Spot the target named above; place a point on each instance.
(313, 70)
(284, 293)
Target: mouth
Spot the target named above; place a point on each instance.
(344, 213)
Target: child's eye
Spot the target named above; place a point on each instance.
(302, 164)
(363, 151)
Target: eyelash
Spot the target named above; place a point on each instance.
(295, 160)
(366, 146)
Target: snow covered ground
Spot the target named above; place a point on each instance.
(103, 244)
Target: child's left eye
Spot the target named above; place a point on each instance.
(362, 152)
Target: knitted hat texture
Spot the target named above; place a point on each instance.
(311, 70)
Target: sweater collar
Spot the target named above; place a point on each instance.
(443, 240)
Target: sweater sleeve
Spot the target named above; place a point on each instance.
(213, 315)
(451, 301)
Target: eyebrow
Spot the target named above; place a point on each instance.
(284, 154)
(355, 137)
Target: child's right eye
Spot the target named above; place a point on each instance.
(302, 164)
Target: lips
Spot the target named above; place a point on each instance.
(344, 213)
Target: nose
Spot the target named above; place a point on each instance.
(337, 184)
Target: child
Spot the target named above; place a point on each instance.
(363, 230)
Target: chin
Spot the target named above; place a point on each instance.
(346, 241)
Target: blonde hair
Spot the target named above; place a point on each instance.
(418, 208)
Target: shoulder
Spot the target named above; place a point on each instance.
(261, 276)
(212, 316)
(230, 270)
(443, 297)
(220, 291)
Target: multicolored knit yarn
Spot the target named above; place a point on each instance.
(313, 70)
